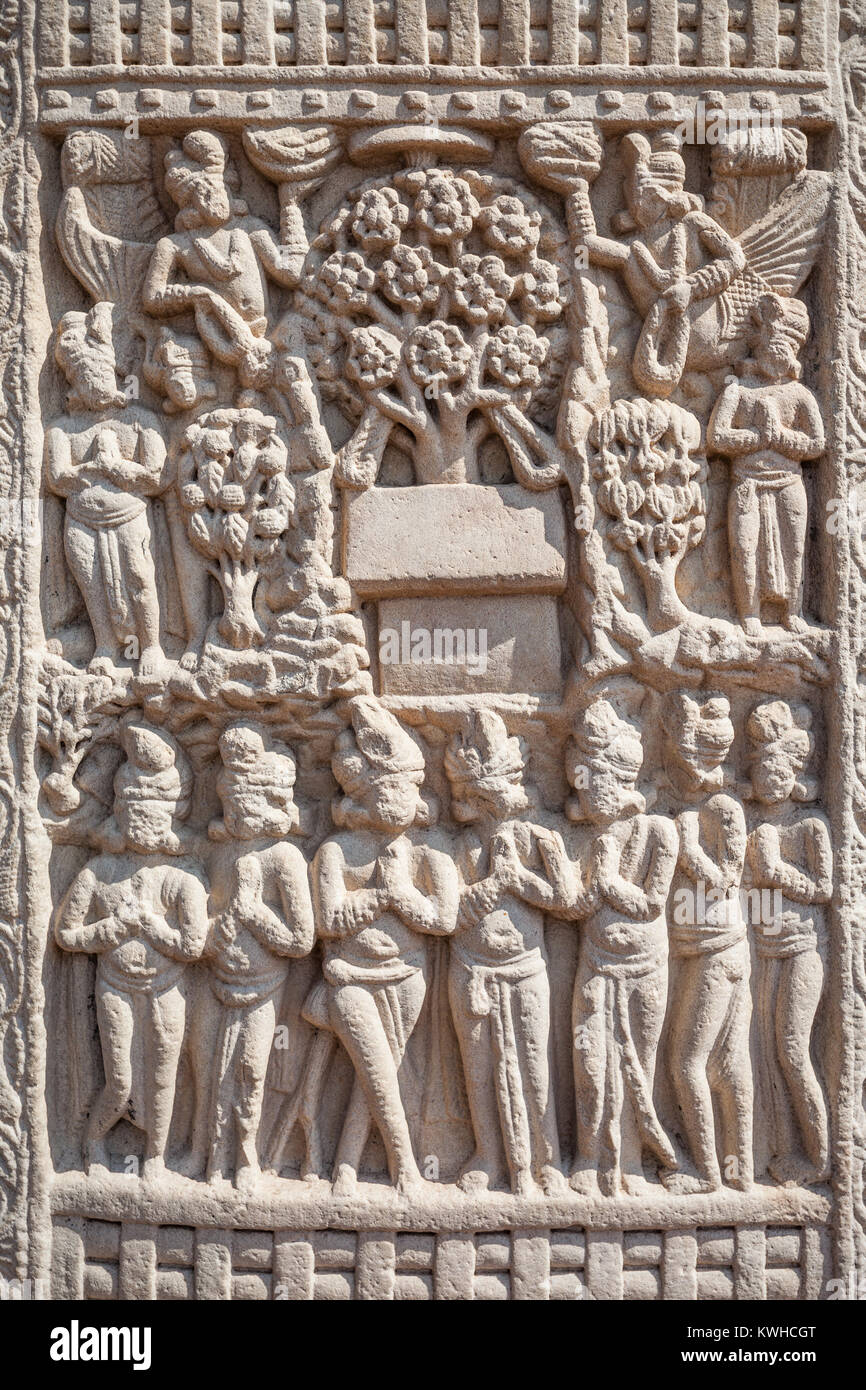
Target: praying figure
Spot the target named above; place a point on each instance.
(789, 855)
(620, 993)
(141, 908)
(512, 872)
(106, 464)
(711, 1007)
(261, 917)
(768, 423)
(378, 890)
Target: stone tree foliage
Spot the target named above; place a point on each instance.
(434, 304)
(651, 486)
(237, 501)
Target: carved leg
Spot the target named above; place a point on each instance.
(253, 1054)
(591, 1045)
(647, 1005)
(485, 1166)
(744, 528)
(701, 1003)
(303, 1106)
(531, 1004)
(322, 1051)
(513, 1114)
(81, 553)
(375, 1048)
(222, 330)
(166, 1028)
(114, 1013)
(224, 1061)
(792, 511)
(732, 1066)
(353, 1141)
(140, 577)
(205, 1015)
(780, 1129)
(799, 996)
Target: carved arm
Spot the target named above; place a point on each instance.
(293, 933)
(72, 933)
(722, 435)
(338, 911)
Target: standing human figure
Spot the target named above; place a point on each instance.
(512, 871)
(620, 991)
(141, 908)
(107, 459)
(261, 917)
(768, 423)
(710, 1010)
(789, 855)
(378, 890)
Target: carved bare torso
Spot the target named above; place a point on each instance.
(261, 912)
(667, 253)
(508, 926)
(142, 918)
(631, 871)
(225, 258)
(73, 468)
(363, 910)
(767, 426)
(793, 861)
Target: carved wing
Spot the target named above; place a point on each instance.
(782, 246)
(108, 267)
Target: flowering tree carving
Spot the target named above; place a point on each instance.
(75, 709)
(652, 488)
(433, 304)
(237, 501)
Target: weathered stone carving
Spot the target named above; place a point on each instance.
(216, 262)
(106, 469)
(692, 283)
(498, 987)
(342, 367)
(650, 484)
(768, 423)
(141, 907)
(236, 500)
(620, 990)
(434, 293)
(712, 1005)
(791, 856)
(376, 893)
(261, 914)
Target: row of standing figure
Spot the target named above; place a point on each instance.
(644, 889)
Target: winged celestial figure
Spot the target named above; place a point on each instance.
(693, 283)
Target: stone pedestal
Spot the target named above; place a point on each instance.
(466, 579)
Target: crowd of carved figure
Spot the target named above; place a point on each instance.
(689, 884)
(446, 316)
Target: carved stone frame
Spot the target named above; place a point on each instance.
(48, 1232)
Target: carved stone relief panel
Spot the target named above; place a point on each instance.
(433, 773)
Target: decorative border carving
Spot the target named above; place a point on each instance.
(19, 911)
